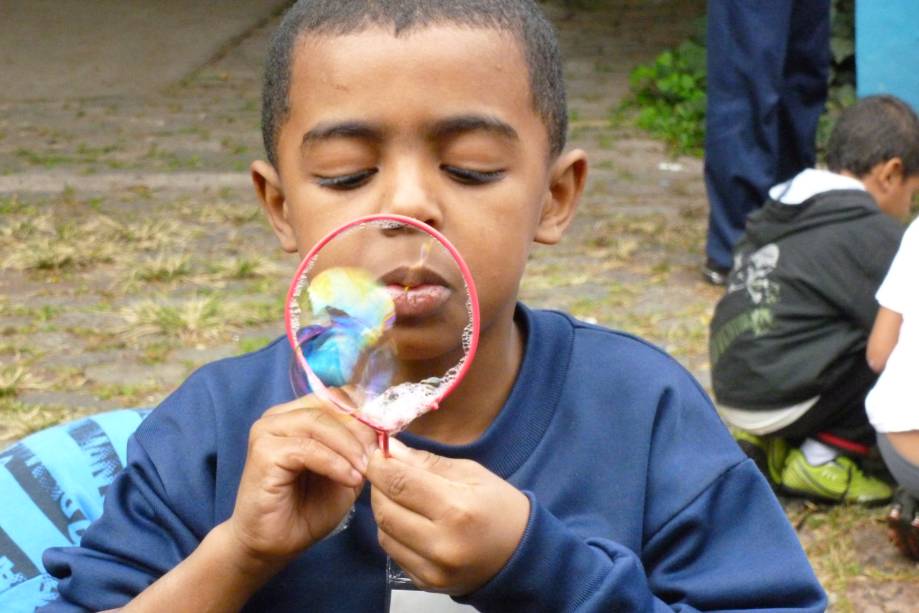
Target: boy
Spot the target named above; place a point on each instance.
(788, 337)
(574, 468)
(893, 352)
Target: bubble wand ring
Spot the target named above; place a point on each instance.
(315, 383)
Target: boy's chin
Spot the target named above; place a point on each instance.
(418, 345)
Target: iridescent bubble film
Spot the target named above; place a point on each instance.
(382, 318)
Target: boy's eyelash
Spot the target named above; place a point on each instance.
(349, 181)
(473, 177)
(357, 179)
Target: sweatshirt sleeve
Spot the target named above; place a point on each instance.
(137, 540)
(856, 273)
(156, 511)
(713, 555)
(697, 527)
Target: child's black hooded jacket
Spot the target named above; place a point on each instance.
(800, 298)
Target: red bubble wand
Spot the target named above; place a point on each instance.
(291, 320)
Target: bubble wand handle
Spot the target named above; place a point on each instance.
(316, 385)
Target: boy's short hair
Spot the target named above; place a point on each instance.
(870, 132)
(521, 18)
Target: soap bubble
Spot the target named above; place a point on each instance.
(382, 316)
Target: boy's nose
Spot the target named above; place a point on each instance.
(411, 194)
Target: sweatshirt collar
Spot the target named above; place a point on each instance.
(519, 427)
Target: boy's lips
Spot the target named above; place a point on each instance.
(416, 292)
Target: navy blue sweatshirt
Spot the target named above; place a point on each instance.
(640, 499)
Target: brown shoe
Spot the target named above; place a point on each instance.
(903, 525)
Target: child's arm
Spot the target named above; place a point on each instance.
(217, 576)
(302, 473)
(883, 338)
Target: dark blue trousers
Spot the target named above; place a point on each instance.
(768, 65)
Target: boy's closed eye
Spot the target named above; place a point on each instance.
(465, 176)
(351, 180)
(469, 176)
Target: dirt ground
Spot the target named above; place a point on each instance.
(132, 250)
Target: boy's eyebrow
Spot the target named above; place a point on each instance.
(344, 129)
(444, 128)
(453, 126)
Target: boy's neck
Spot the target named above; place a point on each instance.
(473, 406)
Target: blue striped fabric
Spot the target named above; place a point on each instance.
(52, 484)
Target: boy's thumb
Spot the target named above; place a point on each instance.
(422, 459)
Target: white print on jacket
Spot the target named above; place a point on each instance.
(751, 272)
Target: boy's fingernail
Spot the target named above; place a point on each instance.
(364, 462)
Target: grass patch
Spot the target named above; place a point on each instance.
(151, 234)
(47, 254)
(11, 205)
(172, 160)
(830, 546)
(222, 213)
(201, 317)
(164, 267)
(156, 353)
(15, 379)
(21, 419)
(248, 345)
(128, 394)
(244, 267)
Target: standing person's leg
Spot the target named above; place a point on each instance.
(903, 517)
(747, 45)
(807, 71)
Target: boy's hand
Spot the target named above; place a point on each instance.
(450, 524)
(303, 472)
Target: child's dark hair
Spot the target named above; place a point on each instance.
(521, 18)
(871, 131)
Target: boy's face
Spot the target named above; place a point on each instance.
(438, 125)
(898, 199)
(891, 188)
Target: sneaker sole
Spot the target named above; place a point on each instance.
(790, 491)
(809, 495)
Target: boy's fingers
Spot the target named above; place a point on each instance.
(409, 486)
(449, 468)
(295, 455)
(413, 529)
(364, 433)
(303, 402)
(319, 425)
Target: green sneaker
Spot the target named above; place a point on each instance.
(840, 480)
(769, 453)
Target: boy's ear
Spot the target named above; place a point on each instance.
(271, 194)
(890, 173)
(566, 183)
